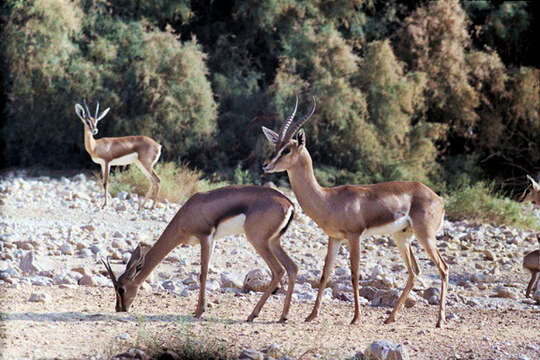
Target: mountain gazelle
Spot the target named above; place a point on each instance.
(353, 212)
(531, 261)
(261, 213)
(113, 151)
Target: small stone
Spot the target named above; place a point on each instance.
(118, 235)
(489, 255)
(250, 354)
(168, 285)
(90, 228)
(504, 292)
(123, 336)
(39, 297)
(256, 280)
(231, 280)
(66, 249)
(87, 280)
(385, 350)
(95, 249)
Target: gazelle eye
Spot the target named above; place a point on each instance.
(121, 290)
(286, 151)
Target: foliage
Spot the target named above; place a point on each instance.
(445, 92)
(177, 182)
(480, 202)
(54, 59)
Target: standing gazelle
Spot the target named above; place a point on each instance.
(263, 214)
(107, 152)
(352, 212)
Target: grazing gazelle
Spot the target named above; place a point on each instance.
(352, 212)
(107, 152)
(263, 214)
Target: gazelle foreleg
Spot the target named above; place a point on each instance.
(207, 248)
(354, 248)
(403, 243)
(105, 169)
(533, 284)
(331, 254)
(150, 174)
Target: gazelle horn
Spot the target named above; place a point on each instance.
(86, 107)
(297, 125)
(286, 124)
(110, 271)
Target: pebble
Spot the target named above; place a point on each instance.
(39, 297)
(385, 350)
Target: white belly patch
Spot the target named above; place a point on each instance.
(231, 226)
(125, 160)
(389, 228)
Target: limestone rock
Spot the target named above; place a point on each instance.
(256, 280)
(385, 350)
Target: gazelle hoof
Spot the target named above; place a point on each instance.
(354, 321)
(251, 318)
(389, 320)
(282, 320)
(311, 317)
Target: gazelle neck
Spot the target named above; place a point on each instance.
(310, 195)
(165, 244)
(89, 141)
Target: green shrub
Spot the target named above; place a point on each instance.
(481, 203)
(177, 182)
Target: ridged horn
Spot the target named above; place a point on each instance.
(86, 108)
(297, 125)
(110, 271)
(286, 124)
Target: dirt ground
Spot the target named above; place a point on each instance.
(80, 323)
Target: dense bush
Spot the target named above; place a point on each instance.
(155, 84)
(446, 92)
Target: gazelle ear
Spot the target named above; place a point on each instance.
(535, 185)
(79, 110)
(301, 139)
(271, 135)
(135, 263)
(105, 112)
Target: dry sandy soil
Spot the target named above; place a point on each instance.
(42, 215)
(76, 325)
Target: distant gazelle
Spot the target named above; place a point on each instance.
(531, 261)
(532, 194)
(352, 212)
(263, 214)
(107, 152)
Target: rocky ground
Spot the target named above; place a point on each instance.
(56, 300)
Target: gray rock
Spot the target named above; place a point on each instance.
(432, 295)
(250, 354)
(31, 264)
(385, 350)
(39, 297)
(168, 285)
(66, 249)
(231, 280)
(504, 292)
(123, 336)
(256, 280)
(88, 280)
(122, 195)
(95, 249)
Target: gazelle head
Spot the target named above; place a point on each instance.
(533, 193)
(87, 118)
(287, 149)
(124, 286)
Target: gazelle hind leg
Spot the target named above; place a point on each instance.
(331, 254)
(292, 271)
(403, 243)
(263, 249)
(105, 169)
(533, 284)
(148, 173)
(428, 242)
